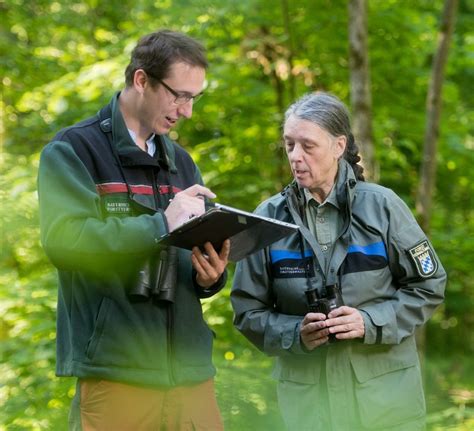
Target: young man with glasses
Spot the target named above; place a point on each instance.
(109, 188)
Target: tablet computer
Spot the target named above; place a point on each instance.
(247, 232)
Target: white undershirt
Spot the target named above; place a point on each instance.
(150, 143)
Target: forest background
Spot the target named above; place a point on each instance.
(62, 60)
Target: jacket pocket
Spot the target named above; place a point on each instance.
(129, 336)
(98, 328)
(391, 399)
(299, 369)
(388, 385)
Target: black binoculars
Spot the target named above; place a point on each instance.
(325, 303)
(157, 279)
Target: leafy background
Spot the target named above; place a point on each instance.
(62, 60)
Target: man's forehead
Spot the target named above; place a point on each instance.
(178, 68)
(185, 77)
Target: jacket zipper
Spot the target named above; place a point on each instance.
(298, 215)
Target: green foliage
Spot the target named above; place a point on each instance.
(61, 61)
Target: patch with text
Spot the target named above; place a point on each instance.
(117, 205)
(291, 264)
(424, 259)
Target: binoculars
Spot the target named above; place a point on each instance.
(325, 303)
(157, 278)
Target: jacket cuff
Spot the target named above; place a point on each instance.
(371, 330)
(298, 346)
(211, 290)
(165, 220)
(282, 336)
(381, 323)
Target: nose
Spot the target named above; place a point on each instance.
(296, 155)
(186, 109)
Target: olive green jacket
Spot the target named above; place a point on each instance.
(385, 266)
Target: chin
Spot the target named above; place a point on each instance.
(162, 130)
(302, 184)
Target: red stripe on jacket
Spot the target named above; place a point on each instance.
(107, 188)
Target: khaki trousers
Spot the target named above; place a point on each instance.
(105, 406)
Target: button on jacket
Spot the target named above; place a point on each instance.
(386, 268)
(101, 212)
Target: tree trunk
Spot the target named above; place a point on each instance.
(283, 163)
(289, 37)
(433, 110)
(361, 100)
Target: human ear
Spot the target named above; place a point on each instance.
(140, 79)
(341, 144)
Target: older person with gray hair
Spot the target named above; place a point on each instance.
(338, 303)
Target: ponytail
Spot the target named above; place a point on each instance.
(352, 157)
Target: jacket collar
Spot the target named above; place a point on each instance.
(129, 153)
(344, 188)
(345, 184)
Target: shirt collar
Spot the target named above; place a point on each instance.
(150, 142)
(331, 199)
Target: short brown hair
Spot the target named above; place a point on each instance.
(156, 52)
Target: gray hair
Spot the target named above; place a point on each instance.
(329, 113)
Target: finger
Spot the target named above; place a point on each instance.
(198, 190)
(335, 321)
(321, 337)
(203, 273)
(354, 319)
(311, 317)
(200, 256)
(343, 325)
(340, 328)
(203, 260)
(186, 207)
(218, 261)
(225, 250)
(204, 277)
(196, 264)
(316, 342)
(185, 204)
(341, 311)
(359, 333)
(188, 202)
(212, 253)
(313, 327)
(347, 325)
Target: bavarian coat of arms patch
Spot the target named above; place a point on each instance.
(424, 259)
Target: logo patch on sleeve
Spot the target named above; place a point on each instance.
(116, 205)
(424, 259)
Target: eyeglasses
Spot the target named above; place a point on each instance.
(180, 97)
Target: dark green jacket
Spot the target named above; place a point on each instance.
(101, 214)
